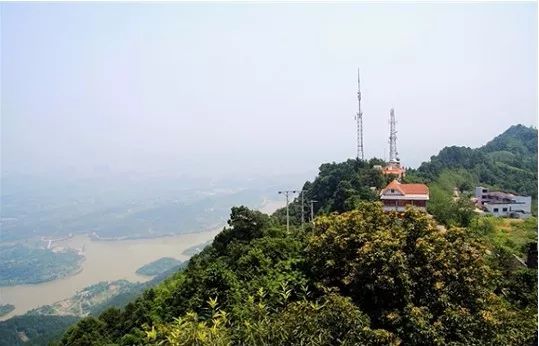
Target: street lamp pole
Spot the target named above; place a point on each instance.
(286, 193)
(312, 210)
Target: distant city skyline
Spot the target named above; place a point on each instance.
(246, 88)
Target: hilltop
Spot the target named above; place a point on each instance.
(357, 275)
(508, 162)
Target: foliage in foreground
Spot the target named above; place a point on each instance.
(361, 277)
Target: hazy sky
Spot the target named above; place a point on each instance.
(221, 88)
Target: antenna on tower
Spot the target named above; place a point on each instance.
(393, 154)
(359, 120)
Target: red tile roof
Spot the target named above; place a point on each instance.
(408, 189)
(415, 189)
(393, 170)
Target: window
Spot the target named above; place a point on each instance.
(485, 190)
(392, 190)
(504, 209)
(495, 210)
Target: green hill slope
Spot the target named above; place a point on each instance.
(36, 329)
(337, 188)
(508, 162)
(360, 277)
(357, 275)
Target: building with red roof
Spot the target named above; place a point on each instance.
(394, 169)
(396, 196)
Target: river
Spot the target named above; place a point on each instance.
(104, 261)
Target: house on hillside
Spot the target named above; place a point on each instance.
(396, 196)
(503, 204)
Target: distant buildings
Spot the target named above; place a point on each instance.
(394, 168)
(503, 204)
(396, 196)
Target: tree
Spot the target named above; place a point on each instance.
(447, 210)
(332, 321)
(87, 332)
(429, 285)
(338, 187)
(245, 225)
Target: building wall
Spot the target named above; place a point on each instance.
(499, 209)
(502, 206)
(400, 204)
(526, 205)
(480, 191)
(507, 209)
(401, 208)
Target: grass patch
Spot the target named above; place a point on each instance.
(513, 234)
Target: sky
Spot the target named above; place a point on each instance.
(215, 89)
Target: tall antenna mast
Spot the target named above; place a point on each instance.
(393, 154)
(359, 119)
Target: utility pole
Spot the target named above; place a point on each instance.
(286, 193)
(312, 210)
(302, 208)
(359, 120)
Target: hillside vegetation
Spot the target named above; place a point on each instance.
(39, 327)
(357, 275)
(360, 277)
(338, 187)
(508, 162)
(159, 266)
(21, 264)
(33, 329)
(6, 309)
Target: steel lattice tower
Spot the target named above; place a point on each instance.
(359, 120)
(393, 154)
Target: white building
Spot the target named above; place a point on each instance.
(503, 204)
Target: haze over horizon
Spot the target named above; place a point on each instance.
(238, 89)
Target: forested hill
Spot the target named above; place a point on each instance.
(337, 188)
(518, 139)
(362, 277)
(508, 162)
(357, 276)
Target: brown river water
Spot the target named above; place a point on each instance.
(105, 261)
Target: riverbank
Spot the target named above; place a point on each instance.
(23, 264)
(104, 261)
